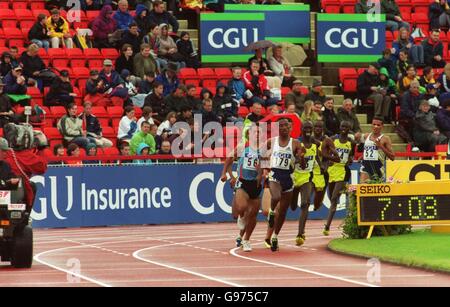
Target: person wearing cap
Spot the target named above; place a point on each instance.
(168, 49)
(316, 93)
(6, 112)
(114, 85)
(32, 65)
(132, 37)
(15, 83)
(103, 26)
(122, 16)
(186, 48)
(144, 62)
(169, 79)
(159, 16)
(176, 101)
(296, 97)
(426, 132)
(443, 118)
(61, 91)
(369, 88)
(38, 32)
(5, 63)
(58, 30)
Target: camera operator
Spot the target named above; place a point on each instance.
(8, 181)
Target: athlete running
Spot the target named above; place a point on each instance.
(282, 151)
(247, 186)
(377, 147)
(339, 172)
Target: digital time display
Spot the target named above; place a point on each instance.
(395, 204)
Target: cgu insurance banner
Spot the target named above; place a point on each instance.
(289, 23)
(223, 36)
(418, 170)
(350, 37)
(139, 195)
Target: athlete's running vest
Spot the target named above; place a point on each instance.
(371, 150)
(282, 158)
(248, 164)
(337, 170)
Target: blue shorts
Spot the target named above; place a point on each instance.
(284, 178)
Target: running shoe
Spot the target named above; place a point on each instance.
(241, 223)
(274, 245)
(271, 218)
(300, 240)
(238, 241)
(246, 247)
(267, 243)
(326, 231)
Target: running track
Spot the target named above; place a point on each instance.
(197, 255)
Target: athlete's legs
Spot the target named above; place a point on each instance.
(285, 202)
(305, 192)
(294, 202)
(275, 191)
(241, 202)
(336, 189)
(319, 194)
(250, 217)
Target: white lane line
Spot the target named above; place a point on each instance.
(233, 253)
(172, 267)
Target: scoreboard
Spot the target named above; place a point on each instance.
(404, 204)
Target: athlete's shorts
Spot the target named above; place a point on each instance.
(319, 181)
(339, 173)
(250, 187)
(284, 178)
(372, 168)
(301, 178)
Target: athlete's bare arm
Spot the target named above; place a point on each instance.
(299, 153)
(265, 149)
(329, 150)
(385, 145)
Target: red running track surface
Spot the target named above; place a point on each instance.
(197, 255)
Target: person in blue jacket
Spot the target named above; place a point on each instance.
(123, 16)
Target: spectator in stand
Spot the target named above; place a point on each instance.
(5, 64)
(71, 128)
(91, 151)
(427, 77)
(368, 88)
(388, 84)
(143, 136)
(6, 112)
(143, 150)
(125, 60)
(144, 62)
(443, 118)
(122, 16)
(142, 19)
(426, 132)
(114, 86)
(169, 79)
(362, 7)
(38, 33)
(58, 30)
(263, 63)
(432, 96)
(444, 80)
(237, 86)
(93, 127)
(175, 101)
(281, 67)
(73, 150)
(205, 93)
(168, 49)
(257, 88)
(389, 62)
(402, 64)
(95, 90)
(208, 115)
(103, 26)
(296, 97)
(136, 98)
(159, 16)
(14, 52)
(256, 113)
(316, 93)
(186, 48)
(15, 83)
(58, 152)
(290, 109)
(127, 125)
(405, 41)
(91, 5)
(124, 149)
(394, 19)
(439, 14)
(347, 113)
(61, 91)
(153, 40)
(411, 75)
(166, 149)
(154, 133)
(167, 125)
(410, 106)
(433, 50)
(146, 85)
(147, 114)
(32, 66)
(318, 108)
(185, 114)
(224, 106)
(308, 114)
(331, 121)
(156, 101)
(191, 96)
(131, 37)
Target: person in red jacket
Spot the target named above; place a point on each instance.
(24, 164)
(257, 88)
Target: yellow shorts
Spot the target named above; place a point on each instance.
(337, 173)
(318, 181)
(301, 178)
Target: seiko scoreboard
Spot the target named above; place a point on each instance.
(397, 204)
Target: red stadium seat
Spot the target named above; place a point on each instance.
(57, 112)
(92, 53)
(53, 135)
(12, 33)
(4, 6)
(243, 111)
(9, 23)
(111, 151)
(223, 73)
(115, 112)
(348, 78)
(348, 6)
(36, 12)
(331, 6)
(58, 57)
(19, 5)
(110, 53)
(81, 72)
(24, 14)
(421, 6)
(421, 21)
(100, 112)
(37, 6)
(208, 77)
(91, 15)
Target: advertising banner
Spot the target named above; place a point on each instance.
(350, 37)
(283, 23)
(418, 170)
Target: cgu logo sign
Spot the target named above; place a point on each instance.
(351, 38)
(233, 38)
